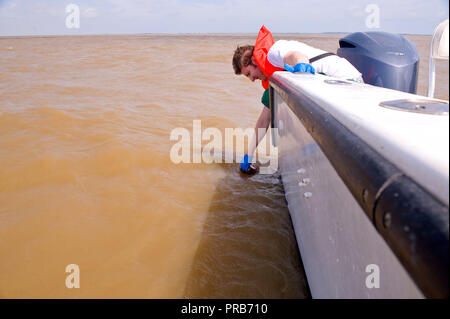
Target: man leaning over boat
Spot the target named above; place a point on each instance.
(260, 61)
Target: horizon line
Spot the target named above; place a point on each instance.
(191, 33)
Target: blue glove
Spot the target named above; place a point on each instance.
(246, 163)
(300, 67)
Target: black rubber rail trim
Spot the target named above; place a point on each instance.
(413, 222)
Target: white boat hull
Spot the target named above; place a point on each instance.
(344, 255)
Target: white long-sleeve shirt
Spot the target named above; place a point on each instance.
(332, 65)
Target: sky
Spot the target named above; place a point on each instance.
(49, 17)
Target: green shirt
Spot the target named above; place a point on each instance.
(265, 98)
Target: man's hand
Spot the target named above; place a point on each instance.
(300, 67)
(247, 166)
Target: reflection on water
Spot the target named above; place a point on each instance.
(248, 230)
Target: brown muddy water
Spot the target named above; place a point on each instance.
(86, 177)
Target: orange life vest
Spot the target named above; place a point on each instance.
(264, 42)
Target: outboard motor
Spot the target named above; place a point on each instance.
(384, 59)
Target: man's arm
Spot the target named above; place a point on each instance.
(262, 122)
(292, 58)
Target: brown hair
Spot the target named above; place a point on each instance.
(242, 57)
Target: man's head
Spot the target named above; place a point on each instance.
(244, 63)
